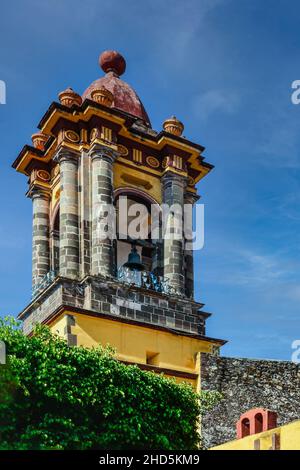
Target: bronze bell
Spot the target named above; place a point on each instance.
(134, 261)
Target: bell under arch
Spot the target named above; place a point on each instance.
(141, 242)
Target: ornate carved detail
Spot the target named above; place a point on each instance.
(57, 194)
(106, 134)
(39, 140)
(137, 156)
(173, 161)
(177, 162)
(43, 175)
(56, 170)
(165, 162)
(102, 96)
(72, 136)
(173, 126)
(123, 151)
(83, 136)
(65, 153)
(95, 134)
(69, 97)
(152, 161)
(191, 181)
(102, 151)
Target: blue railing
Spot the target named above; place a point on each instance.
(44, 282)
(145, 279)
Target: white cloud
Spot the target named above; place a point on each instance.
(215, 101)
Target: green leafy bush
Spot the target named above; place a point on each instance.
(53, 396)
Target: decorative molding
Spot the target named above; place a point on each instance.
(39, 140)
(98, 150)
(137, 156)
(134, 180)
(102, 96)
(43, 175)
(122, 150)
(165, 162)
(191, 181)
(72, 136)
(173, 126)
(56, 171)
(106, 134)
(177, 162)
(69, 97)
(152, 161)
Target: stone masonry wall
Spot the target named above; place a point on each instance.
(119, 300)
(246, 384)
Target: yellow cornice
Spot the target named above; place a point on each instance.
(85, 116)
(76, 117)
(29, 155)
(90, 111)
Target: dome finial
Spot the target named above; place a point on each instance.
(173, 126)
(112, 61)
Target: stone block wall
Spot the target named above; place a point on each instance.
(116, 299)
(246, 384)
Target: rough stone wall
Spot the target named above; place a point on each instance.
(246, 384)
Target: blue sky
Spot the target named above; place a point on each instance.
(225, 68)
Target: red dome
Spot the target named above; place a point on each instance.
(125, 98)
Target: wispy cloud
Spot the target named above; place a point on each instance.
(216, 101)
(248, 267)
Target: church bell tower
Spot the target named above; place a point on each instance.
(93, 152)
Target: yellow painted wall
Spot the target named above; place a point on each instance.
(122, 176)
(289, 439)
(133, 342)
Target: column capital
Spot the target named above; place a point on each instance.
(65, 154)
(191, 198)
(98, 151)
(170, 177)
(38, 192)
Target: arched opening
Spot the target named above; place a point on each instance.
(258, 422)
(245, 427)
(134, 222)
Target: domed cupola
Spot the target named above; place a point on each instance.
(125, 98)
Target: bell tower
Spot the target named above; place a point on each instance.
(94, 165)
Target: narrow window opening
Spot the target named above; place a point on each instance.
(152, 358)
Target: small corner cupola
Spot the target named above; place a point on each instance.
(124, 96)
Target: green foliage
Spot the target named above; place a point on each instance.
(58, 397)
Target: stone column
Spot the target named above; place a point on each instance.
(40, 236)
(173, 187)
(68, 214)
(189, 198)
(102, 204)
(84, 172)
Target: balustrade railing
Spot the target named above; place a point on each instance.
(45, 282)
(145, 279)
